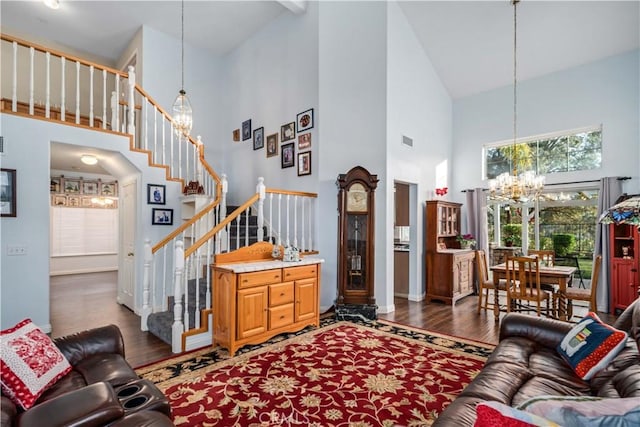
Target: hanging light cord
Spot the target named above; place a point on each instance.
(182, 47)
(515, 84)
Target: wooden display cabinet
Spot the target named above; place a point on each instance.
(449, 268)
(624, 253)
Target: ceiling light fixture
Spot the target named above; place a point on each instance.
(88, 159)
(182, 114)
(53, 4)
(514, 187)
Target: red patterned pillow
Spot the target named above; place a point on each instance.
(492, 414)
(31, 363)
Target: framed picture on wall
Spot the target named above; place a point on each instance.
(156, 194)
(108, 189)
(236, 135)
(272, 145)
(72, 186)
(258, 138)
(304, 141)
(8, 193)
(288, 132)
(304, 163)
(304, 120)
(161, 216)
(246, 130)
(89, 187)
(287, 155)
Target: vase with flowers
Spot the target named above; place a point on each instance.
(467, 241)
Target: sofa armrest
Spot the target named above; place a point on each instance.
(91, 406)
(544, 331)
(8, 412)
(78, 346)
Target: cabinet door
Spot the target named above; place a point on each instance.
(623, 288)
(252, 311)
(465, 271)
(306, 304)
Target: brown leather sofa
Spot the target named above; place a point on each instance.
(525, 364)
(88, 394)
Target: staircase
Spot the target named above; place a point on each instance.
(171, 270)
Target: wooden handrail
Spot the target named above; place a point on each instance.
(291, 193)
(184, 226)
(204, 239)
(73, 58)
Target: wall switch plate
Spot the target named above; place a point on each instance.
(16, 250)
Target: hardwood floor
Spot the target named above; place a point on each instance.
(85, 301)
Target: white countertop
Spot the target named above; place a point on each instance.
(247, 267)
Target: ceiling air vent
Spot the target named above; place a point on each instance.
(407, 141)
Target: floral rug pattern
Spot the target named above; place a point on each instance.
(341, 374)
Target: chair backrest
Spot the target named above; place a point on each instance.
(548, 256)
(481, 262)
(595, 273)
(523, 277)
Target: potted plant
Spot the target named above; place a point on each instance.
(511, 234)
(466, 241)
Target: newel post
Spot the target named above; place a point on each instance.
(261, 190)
(178, 325)
(146, 285)
(131, 128)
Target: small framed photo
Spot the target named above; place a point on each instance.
(8, 193)
(304, 120)
(246, 130)
(287, 160)
(55, 185)
(89, 187)
(73, 201)
(86, 202)
(304, 163)
(236, 135)
(288, 132)
(304, 141)
(156, 194)
(72, 186)
(258, 138)
(161, 216)
(59, 200)
(272, 145)
(109, 189)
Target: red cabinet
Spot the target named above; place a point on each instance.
(625, 266)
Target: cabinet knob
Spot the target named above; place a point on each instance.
(281, 317)
(281, 294)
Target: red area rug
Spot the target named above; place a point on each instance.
(343, 374)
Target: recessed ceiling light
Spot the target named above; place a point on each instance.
(53, 4)
(88, 159)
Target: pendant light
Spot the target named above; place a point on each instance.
(182, 113)
(527, 185)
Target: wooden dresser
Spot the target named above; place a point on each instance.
(449, 268)
(256, 300)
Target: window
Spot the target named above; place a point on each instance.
(562, 152)
(83, 231)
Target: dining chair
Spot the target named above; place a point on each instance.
(547, 256)
(523, 284)
(485, 284)
(581, 294)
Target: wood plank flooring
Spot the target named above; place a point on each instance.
(85, 301)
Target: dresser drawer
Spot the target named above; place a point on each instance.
(281, 293)
(247, 280)
(303, 272)
(280, 316)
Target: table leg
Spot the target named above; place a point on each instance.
(562, 302)
(496, 299)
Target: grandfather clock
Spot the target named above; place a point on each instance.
(356, 225)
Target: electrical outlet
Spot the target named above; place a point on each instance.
(16, 250)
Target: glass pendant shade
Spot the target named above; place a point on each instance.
(182, 115)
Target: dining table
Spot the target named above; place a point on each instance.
(554, 275)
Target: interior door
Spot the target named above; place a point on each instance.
(127, 270)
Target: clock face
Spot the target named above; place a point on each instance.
(357, 198)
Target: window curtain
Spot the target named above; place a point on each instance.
(609, 191)
(477, 219)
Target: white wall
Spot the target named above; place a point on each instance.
(352, 99)
(24, 288)
(419, 107)
(605, 92)
(269, 79)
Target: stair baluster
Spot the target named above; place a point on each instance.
(146, 286)
(178, 327)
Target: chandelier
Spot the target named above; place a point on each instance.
(182, 114)
(527, 185)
